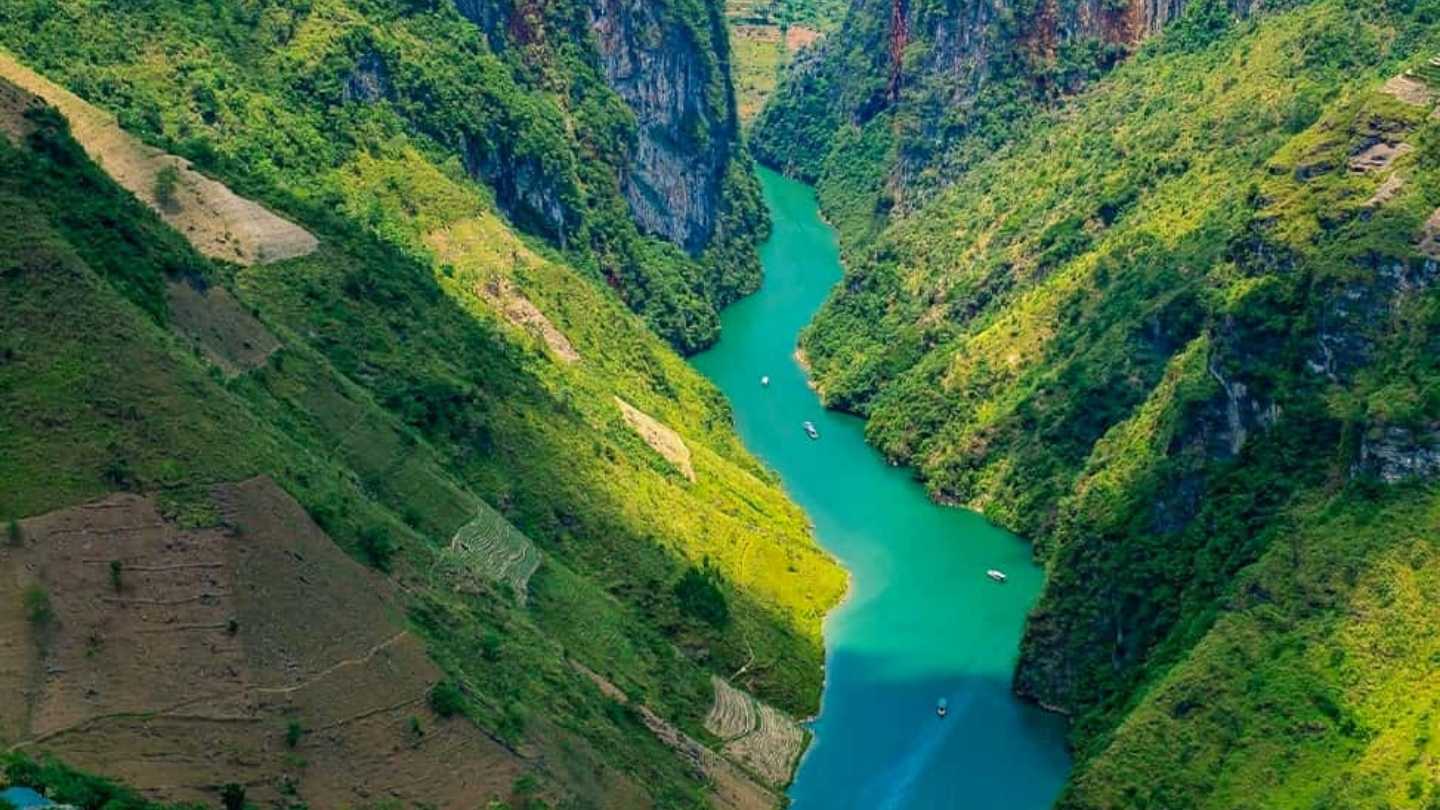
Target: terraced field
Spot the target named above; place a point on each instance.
(763, 738)
(734, 790)
(218, 222)
(490, 547)
(764, 34)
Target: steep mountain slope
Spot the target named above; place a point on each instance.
(1179, 330)
(438, 392)
(594, 125)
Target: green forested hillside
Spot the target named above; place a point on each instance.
(440, 377)
(276, 94)
(812, 13)
(1178, 329)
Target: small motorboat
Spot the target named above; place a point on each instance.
(810, 430)
(942, 708)
(998, 576)
(764, 380)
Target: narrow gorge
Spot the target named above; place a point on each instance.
(726, 404)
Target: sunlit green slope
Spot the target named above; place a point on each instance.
(413, 387)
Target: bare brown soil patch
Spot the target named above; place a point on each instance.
(220, 326)
(757, 735)
(219, 223)
(14, 104)
(731, 788)
(661, 439)
(1378, 157)
(176, 658)
(471, 243)
(798, 36)
(518, 310)
(1410, 90)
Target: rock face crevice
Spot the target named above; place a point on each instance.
(1395, 453)
(685, 126)
(615, 135)
(532, 196)
(668, 66)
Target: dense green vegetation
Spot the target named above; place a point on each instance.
(276, 95)
(402, 402)
(65, 785)
(820, 14)
(1174, 331)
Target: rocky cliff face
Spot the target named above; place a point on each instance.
(636, 142)
(946, 69)
(670, 68)
(684, 115)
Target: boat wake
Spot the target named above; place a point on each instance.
(891, 789)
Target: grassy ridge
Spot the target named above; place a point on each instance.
(399, 405)
(107, 399)
(269, 94)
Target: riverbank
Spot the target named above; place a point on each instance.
(921, 621)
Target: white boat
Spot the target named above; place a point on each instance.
(764, 380)
(942, 708)
(998, 576)
(810, 430)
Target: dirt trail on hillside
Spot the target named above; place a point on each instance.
(733, 789)
(219, 223)
(176, 658)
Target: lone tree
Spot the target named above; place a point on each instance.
(232, 796)
(293, 733)
(699, 594)
(446, 699)
(167, 181)
(37, 605)
(377, 546)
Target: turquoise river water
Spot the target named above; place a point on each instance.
(922, 621)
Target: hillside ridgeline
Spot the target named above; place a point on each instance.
(435, 385)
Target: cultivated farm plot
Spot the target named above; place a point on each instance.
(732, 788)
(215, 220)
(489, 546)
(761, 737)
(176, 659)
(220, 326)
